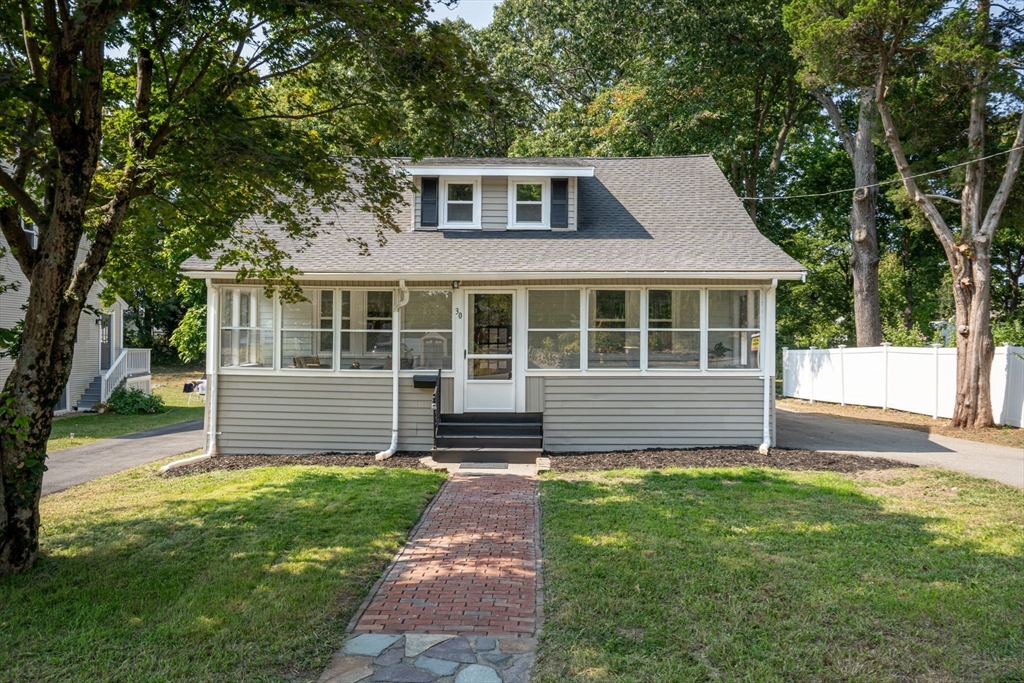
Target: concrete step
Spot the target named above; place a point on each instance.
(509, 455)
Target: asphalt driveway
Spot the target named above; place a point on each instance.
(73, 466)
(824, 433)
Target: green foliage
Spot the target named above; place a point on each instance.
(1008, 332)
(125, 401)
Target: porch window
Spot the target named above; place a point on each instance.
(366, 337)
(553, 334)
(613, 331)
(246, 328)
(673, 329)
(427, 330)
(307, 331)
(734, 334)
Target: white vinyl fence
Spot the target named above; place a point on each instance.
(914, 380)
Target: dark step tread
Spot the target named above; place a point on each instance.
(492, 418)
(488, 442)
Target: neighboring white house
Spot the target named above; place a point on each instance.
(100, 361)
(566, 303)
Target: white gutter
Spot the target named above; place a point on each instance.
(212, 313)
(515, 171)
(544, 275)
(768, 361)
(396, 364)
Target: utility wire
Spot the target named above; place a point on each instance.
(879, 184)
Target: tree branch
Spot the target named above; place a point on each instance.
(995, 209)
(845, 135)
(27, 204)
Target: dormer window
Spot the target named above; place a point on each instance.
(529, 199)
(461, 205)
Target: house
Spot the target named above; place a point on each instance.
(568, 304)
(100, 360)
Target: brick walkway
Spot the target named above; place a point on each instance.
(470, 567)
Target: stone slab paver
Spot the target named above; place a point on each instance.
(369, 644)
(415, 643)
(346, 669)
(471, 566)
(438, 667)
(402, 673)
(455, 650)
(475, 673)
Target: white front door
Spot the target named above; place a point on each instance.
(489, 372)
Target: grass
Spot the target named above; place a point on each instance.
(765, 575)
(91, 427)
(226, 576)
(1000, 436)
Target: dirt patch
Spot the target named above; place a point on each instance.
(244, 462)
(779, 458)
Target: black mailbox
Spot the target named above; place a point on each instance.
(424, 381)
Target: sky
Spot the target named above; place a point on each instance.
(477, 13)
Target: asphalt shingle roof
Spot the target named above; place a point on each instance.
(638, 215)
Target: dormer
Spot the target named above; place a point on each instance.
(497, 194)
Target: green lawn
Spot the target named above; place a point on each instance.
(226, 576)
(90, 427)
(764, 575)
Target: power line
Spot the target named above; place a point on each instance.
(879, 184)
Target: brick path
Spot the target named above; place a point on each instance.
(470, 567)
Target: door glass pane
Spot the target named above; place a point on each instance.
(490, 368)
(490, 324)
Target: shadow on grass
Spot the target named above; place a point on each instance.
(232, 576)
(763, 575)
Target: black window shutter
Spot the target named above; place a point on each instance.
(428, 202)
(560, 203)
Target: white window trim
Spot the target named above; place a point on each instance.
(444, 182)
(545, 204)
(334, 330)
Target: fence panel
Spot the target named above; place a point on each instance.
(915, 380)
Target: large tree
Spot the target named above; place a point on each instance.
(967, 48)
(123, 120)
(652, 77)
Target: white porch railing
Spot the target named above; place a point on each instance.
(130, 363)
(915, 380)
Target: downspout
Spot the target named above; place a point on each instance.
(212, 312)
(768, 354)
(396, 364)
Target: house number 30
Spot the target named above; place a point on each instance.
(458, 313)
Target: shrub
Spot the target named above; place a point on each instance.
(133, 402)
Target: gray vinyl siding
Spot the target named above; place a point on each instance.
(276, 414)
(620, 413)
(494, 203)
(416, 413)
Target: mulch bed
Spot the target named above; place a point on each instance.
(780, 458)
(244, 462)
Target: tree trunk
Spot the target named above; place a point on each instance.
(35, 383)
(908, 280)
(975, 348)
(863, 232)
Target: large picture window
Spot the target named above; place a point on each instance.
(427, 330)
(734, 329)
(246, 328)
(673, 329)
(366, 337)
(307, 332)
(553, 334)
(613, 331)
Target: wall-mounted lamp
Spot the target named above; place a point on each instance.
(455, 284)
